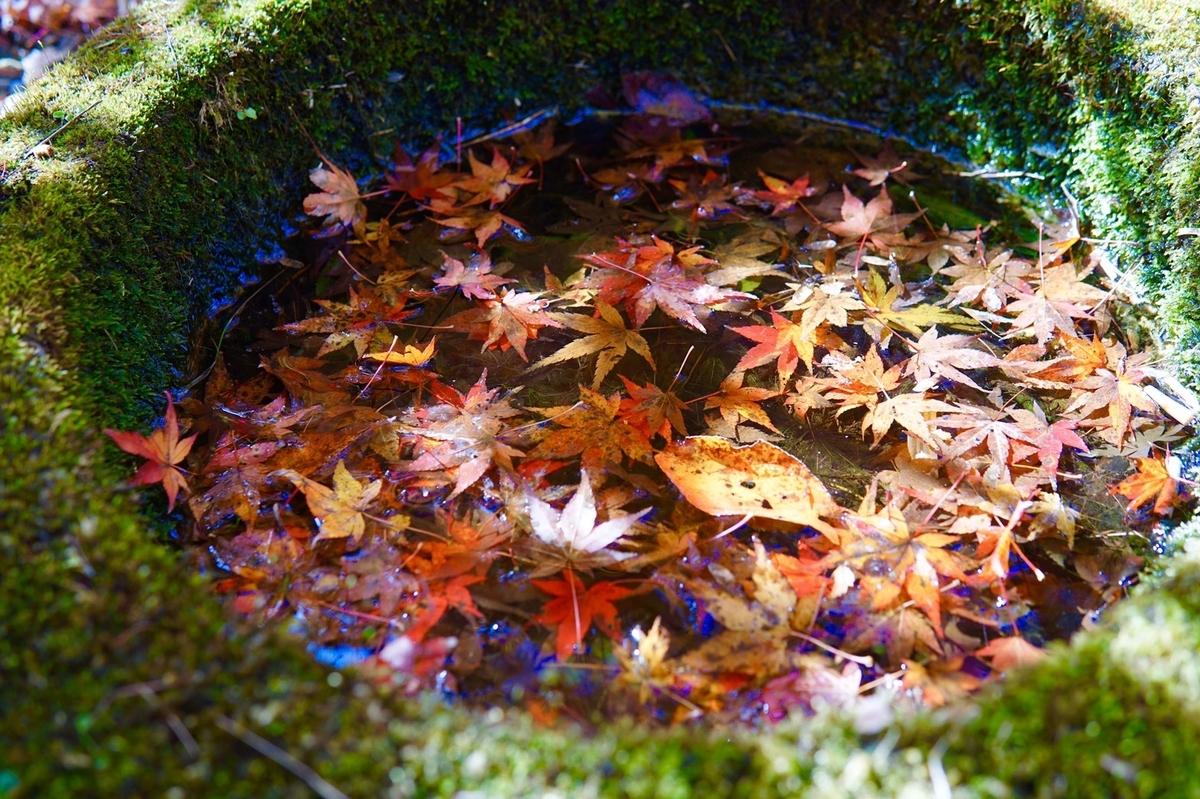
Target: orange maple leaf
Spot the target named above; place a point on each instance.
(783, 342)
(592, 430)
(574, 609)
(1152, 481)
(162, 449)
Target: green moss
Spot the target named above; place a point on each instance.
(120, 668)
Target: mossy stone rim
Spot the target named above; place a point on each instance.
(123, 677)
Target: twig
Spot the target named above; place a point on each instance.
(269, 750)
(60, 129)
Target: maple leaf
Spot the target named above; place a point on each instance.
(475, 280)
(355, 322)
(935, 358)
(340, 202)
(463, 434)
(736, 402)
(422, 180)
(1117, 389)
(989, 279)
(607, 337)
(983, 426)
(784, 342)
(1007, 653)
(644, 663)
(825, 305)
(574, 609)
(781, 195)
(483, 223)
(1152, 482)
(452, 593)
(910, 412)
(858, 383)
(758, 480)
(756, 627)
(574, 529)
(538, 144)
(914, 559)
(652, 410)
(709, 198)
(883, 166)
(493, 183)
(873, 221)
(162, 449)
(1049, 439)
(1061, 298)
(1082, 358)
(656, 276)
(467, 544)
(338, 510)
(592, 430)
(884, 304)
(738, 260)
(411, 356)
(510, 320)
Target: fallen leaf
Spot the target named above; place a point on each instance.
(757, 480)
(163, 450)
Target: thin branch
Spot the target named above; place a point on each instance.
(272, 752)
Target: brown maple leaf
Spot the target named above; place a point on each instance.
(781, 195)
(645, 277)
(509, 320)
(495, 183)
(1060, 298)
(911, 411)
(1007, 653)
(858, 383)
(422, 180)
(937, 358)
(1116, 389)
(652, 410)
(592, 430)
(872, 221)
(355, 322)
(163, 451)
(914, 559)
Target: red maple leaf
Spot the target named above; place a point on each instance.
(574, 609)
(781, 195)
(783, 342)
(656, 276)
(162, 449)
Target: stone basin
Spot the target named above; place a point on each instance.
(184, 158)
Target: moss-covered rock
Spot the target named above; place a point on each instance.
(122, 676)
